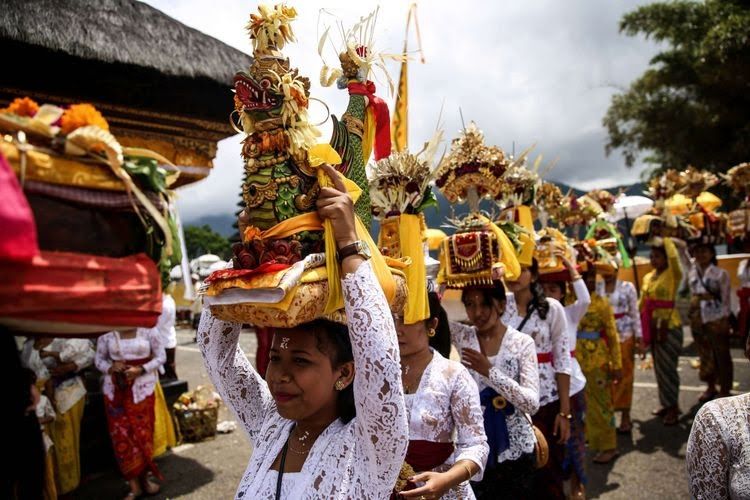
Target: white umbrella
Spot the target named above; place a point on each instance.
(631, 207)
(176, 273)
(217, 266)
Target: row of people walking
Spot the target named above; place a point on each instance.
(319, 430)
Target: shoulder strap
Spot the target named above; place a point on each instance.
(529, 312)
(713, 293)
(282, 462)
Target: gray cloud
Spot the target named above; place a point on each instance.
(538, 71)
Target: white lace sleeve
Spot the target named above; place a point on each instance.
(558, 333)
(707, 458)
(158, 354)
(461, 335)
(243, 390)
(79, 351)
(103, 360)
(471, 441)
(382, 430)
(524, 394)
(31, 360)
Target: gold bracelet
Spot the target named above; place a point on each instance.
(468, 471)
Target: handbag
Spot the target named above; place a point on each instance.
(541, 447)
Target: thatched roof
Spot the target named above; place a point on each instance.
(120, 32)
(120, 52)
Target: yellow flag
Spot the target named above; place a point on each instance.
(400, 120)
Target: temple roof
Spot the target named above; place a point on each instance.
(115, 51)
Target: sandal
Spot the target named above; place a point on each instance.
(671, 417)
(579, 493)
(625, 430)
(150, 487)
(660, 412)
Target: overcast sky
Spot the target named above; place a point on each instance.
(533, 71)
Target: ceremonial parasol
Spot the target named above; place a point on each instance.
(631, 207)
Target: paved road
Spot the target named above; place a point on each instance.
(651, 464)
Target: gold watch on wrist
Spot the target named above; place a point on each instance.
(359, 247)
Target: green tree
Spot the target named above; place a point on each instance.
(201, 240)
(692, 105)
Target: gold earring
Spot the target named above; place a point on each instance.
(340, 385)
(431, 333)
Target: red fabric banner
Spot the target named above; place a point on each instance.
(382, 146)
(82, 289)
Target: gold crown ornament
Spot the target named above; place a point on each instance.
(479, 251)
(400, 191)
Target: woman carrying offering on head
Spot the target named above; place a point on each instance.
(661, 322)
(317, 430)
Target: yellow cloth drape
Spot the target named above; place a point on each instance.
(50, 490)
(508, 255)
(65, 432)
(434, 238)
(525, 219)
(324, 153)
(410, 239)
(368, 137)
(164, 435)
(380, 268)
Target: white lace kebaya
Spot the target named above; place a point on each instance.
(515, 376)
(359, 459)
(78, 351)
(447, 403)
(147, 343)
(551, 339)
(718, 450)
(714, 282)
(624, 302)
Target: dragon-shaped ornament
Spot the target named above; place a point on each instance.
(284, 270)
(272, 100)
